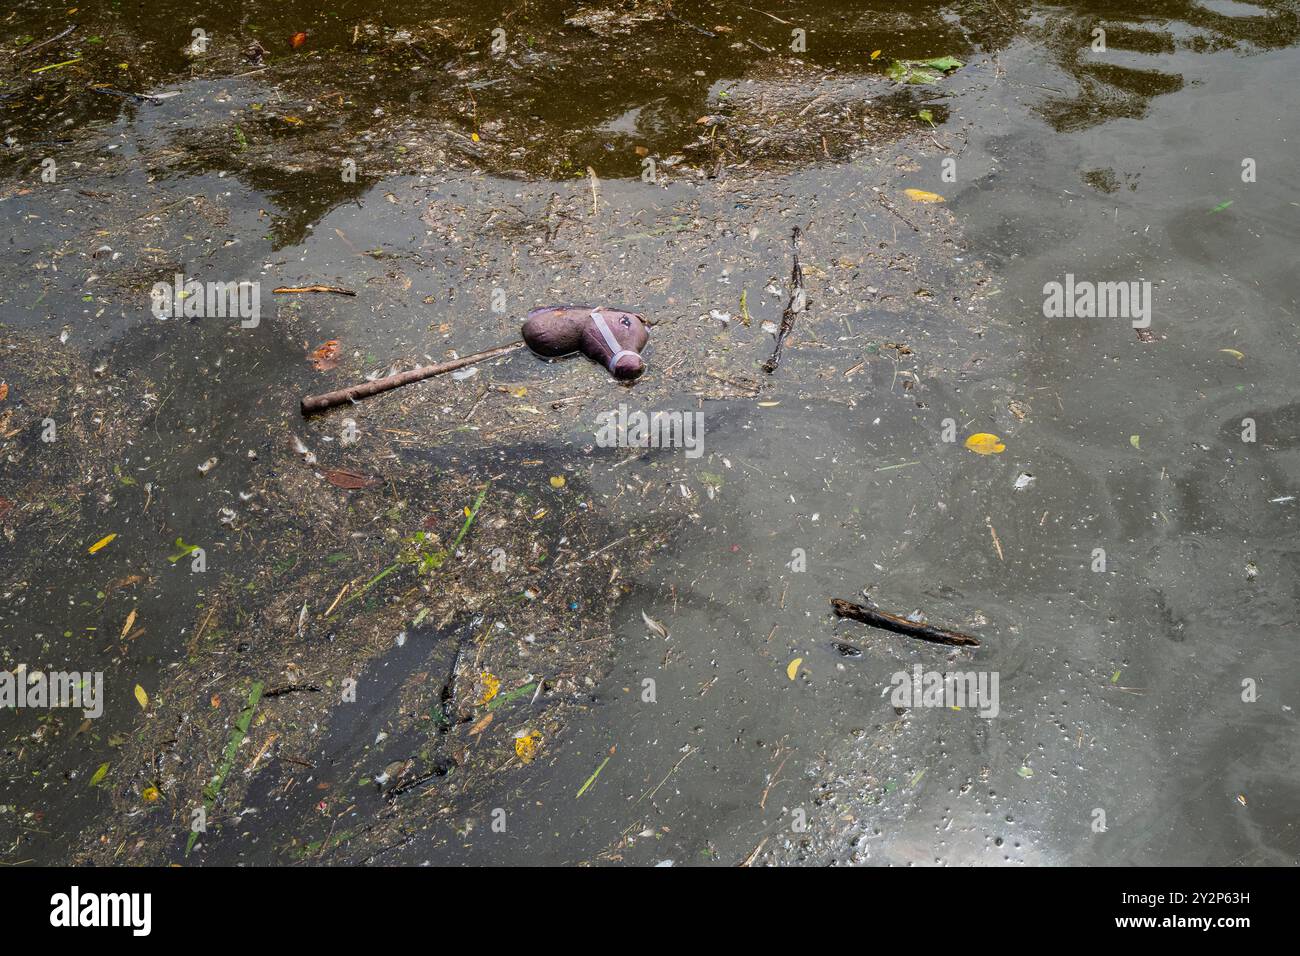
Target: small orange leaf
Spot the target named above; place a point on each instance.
(298, 40)
(349, 479)
(325, 356)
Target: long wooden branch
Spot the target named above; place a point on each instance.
(901, 625)
(318, 403)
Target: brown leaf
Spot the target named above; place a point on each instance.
(4, 391)
(325, 356)
(128, 581)
(346, 478)
(481, 725)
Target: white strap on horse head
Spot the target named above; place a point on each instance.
(610, 341)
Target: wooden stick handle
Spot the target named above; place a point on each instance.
(318, 403)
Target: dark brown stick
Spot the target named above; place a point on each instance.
(318, 403)
(900, 625)
(787, 317)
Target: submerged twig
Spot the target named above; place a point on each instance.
(299, 289)
(45, 43)
(901, 625)
(691, 26)
(797, 303)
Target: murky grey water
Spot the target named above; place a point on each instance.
(1121, 691)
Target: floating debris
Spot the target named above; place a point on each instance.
(985, 443)
(900, 625)
(653, 626)
(923, 71)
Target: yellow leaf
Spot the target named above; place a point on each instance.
(102, 542)
(1234, 353)
(984, 443)
(474, 137)
(526, 745)
(1135, 441)
(150, 794)
(793, 668)
(875, 54)
(130, 619)
(490, 684)
(142, 697)
(920, 195)
(557, 482)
